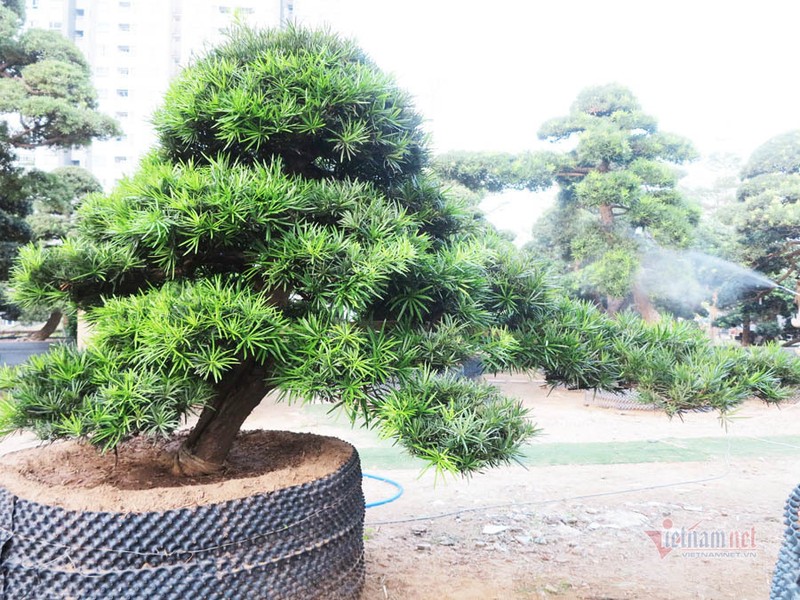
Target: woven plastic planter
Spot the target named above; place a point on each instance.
(302, 542)
(786, 581)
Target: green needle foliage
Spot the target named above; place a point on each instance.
(282, 236)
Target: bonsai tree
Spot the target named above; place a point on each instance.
(283, 236)
(617, 195)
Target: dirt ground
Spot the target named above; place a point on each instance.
(602, 528)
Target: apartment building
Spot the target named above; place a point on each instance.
(135, 47)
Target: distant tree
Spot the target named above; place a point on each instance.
(45, 88)
(617, 196)
(766, 222)
(14, 207)
(46, 99)
(55, 197)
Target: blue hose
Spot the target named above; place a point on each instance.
(396, 485)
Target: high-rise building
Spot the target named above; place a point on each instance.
(135, 47)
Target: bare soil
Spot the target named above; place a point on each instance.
(589, 531)
(574, 531)
(76, 476)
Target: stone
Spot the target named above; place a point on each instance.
(494, 529)
(523, 539)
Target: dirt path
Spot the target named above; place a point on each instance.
(584, 530)
(581, 530)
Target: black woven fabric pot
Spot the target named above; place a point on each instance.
(303, 542)
(786, 580)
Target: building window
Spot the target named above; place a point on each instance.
(224, 9)
(120, 159)
(79, 33)
(246, 11)
(79, 12)
(125, 4)
(124, 26)
(75, 163)
(121, 114)
(123, 70)
(124, 48)
(122, 93)
(55, 25)
(35, 4)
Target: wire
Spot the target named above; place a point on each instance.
(396, 485)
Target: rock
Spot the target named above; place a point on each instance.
(594, 526)
(591, 511)
(480, 544)
(541, 540)
(523, 539)
(447, 541)
(550, 589)
(424, 546)
(419, 530)
(494, 529)
(691, 508)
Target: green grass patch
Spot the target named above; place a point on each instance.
(611, 453)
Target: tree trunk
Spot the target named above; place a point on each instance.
(644, 306)
(606, 216)
(49, 327)
(206, 448)
(713, 313)
(746, 337)
(613, 305)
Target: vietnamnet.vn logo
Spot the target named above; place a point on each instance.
(695, 542)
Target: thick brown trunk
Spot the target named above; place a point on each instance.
(644, 306)
(746, 338)
(206, 448)
(49, 327)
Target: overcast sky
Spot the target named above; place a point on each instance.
(486, 74)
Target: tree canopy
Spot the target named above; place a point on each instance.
(291, 244)
(55, 196)
(766, 225)
(45, 88)
(617, 196)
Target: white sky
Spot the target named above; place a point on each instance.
(487, 73)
